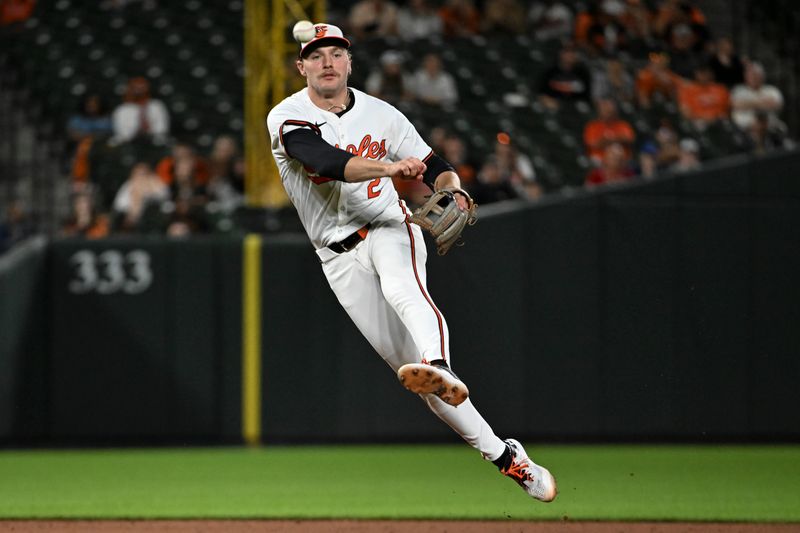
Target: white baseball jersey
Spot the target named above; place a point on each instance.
(330, 210)
(381, 281)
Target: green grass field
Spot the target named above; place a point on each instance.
(731, 483)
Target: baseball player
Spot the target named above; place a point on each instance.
(337, 149)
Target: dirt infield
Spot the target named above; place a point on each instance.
(379, 526)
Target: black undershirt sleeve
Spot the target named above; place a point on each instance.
(315, 154)
(436, 165)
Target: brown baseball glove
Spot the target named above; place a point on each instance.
(443, 219)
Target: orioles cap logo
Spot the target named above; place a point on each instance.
(322, 29)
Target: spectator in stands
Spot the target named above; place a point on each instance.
(614, 82)
(515, 167)
(683, 57)
(656, 81)
(673, 13)
(90, 122)
(608, 128)
(503, 17)
(454, 151)
(727, 67)
(142, 189)
(567, 80)
(755, 96)
(614, 167)
(605, 35)
(418, 20)
(85, 220)
(648, 160)
(373, 18)
(460, 18)
(432, 85)
(584, 20)
(185, 173)
(226, 171)
(703, 101)
(187, 176)
(390, 82)
(186, 218)
(667, 142)
(637, 19)
(140, 115)
(765, 138)
(689, 157)
(493, 185)
(15, 11)
(550, 19)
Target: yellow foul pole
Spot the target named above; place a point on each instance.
(269, 48)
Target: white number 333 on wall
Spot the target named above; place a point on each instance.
(110, 271)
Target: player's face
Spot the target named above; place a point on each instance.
(326, 70)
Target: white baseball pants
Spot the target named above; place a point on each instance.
(381, 285)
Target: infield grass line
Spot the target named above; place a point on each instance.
(620, 483)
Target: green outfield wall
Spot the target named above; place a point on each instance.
(665, 310)
(24, 320)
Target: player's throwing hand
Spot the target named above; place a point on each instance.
(409, 168)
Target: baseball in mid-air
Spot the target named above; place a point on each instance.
(303, 31)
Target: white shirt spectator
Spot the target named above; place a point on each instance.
(432, 85)
(129, 118)
(418, 21)
(143, 186)
(755, 96)
(390, 82)
(746, 101)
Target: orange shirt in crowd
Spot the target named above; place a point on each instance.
(704, 101)
(599, 133)
(648, 83)
(12, 11)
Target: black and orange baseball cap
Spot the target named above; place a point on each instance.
(324, 35)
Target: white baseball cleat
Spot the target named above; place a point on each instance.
(434, 378)
(536, 480)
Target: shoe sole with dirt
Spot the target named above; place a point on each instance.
(426, 379)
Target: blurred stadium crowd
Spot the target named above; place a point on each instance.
(142, 98)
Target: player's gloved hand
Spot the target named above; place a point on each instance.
(445, 215)
(463, 200)
(409, 168)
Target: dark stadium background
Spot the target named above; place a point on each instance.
(661, 308)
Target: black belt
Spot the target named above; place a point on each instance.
(350, 242)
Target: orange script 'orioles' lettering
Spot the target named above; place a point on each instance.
(368, 149)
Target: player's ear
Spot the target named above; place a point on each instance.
(300, 68)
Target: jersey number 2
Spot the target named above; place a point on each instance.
(371, 192)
